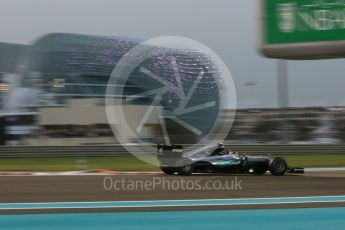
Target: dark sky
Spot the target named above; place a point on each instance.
(228, 27)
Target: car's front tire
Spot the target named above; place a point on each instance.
(278, 166)
(168, 170)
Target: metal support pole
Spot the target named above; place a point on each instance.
(283, 84)
(283, 95)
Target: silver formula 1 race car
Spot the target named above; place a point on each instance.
(215, 159)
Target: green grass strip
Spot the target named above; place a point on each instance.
(129, 163)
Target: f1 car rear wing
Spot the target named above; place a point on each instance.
(169, 154)
(171, 148)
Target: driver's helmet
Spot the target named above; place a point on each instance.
(220, 146)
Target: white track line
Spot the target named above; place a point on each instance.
(172, 203)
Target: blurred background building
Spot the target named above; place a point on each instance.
(60, 68)
(9, 56)
(53, 93)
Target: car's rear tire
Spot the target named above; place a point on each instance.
(168, 170)
(186, 167)
(278, 166)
